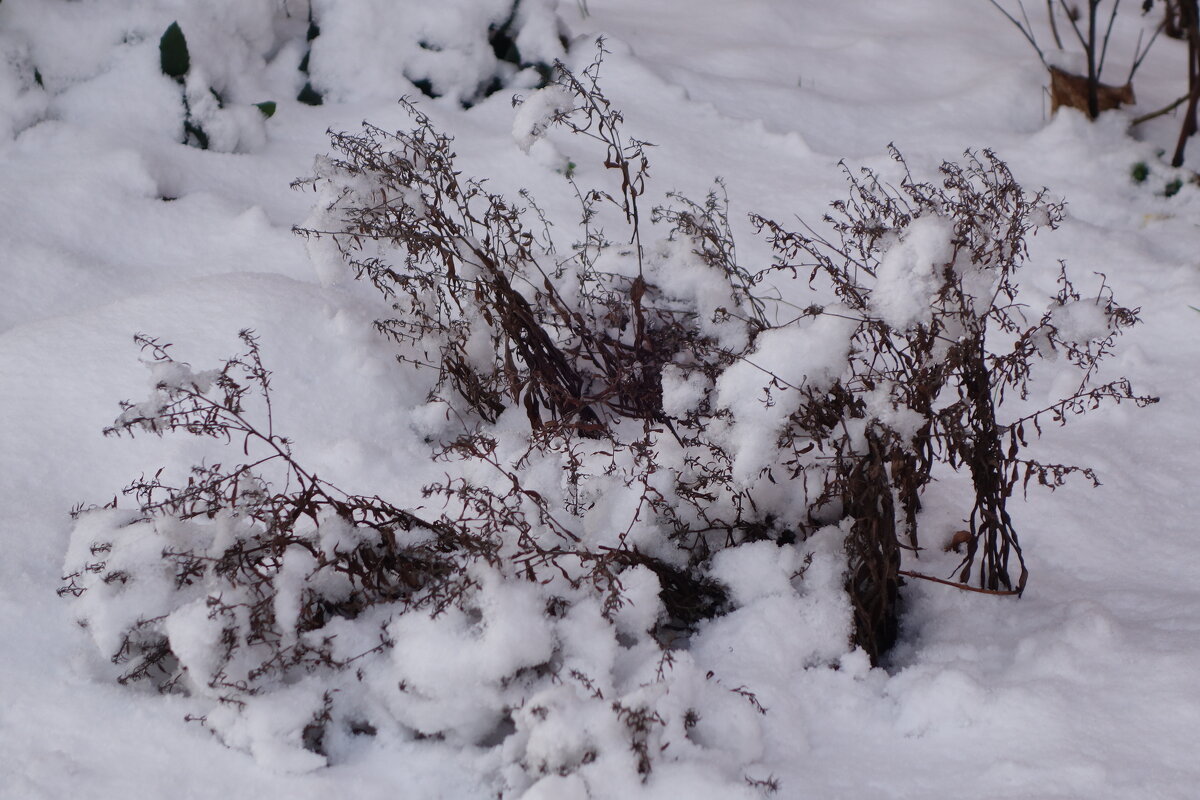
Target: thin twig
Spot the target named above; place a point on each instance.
(1139, 55)
(1108, 32)
(1028, 34)
(1025, 16)
(1093, 82)
(1053, 23)
(1074, 25)
(966, 587)
(1165, 110)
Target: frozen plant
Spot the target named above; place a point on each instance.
(928, 274)
(227, 129)
(645, 453)
(463, 50)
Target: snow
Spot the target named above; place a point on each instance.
(910, 270)
(110, 226)
(536, 112)
(378, 49)
(784, 360)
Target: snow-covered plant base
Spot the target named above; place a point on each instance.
(646, 458)
(309, 618)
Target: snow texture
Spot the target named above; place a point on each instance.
(910, 272)
(110, 225)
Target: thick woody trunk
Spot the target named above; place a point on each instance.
(1189, 17)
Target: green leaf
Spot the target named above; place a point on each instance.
(267, 108)
(173, 52)
(310, 95)
(194, 135)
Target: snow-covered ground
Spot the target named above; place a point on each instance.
(1086, 687)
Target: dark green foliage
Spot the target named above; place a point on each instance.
(310, 96)
(502, 39)
(425, 87)
(173, 52)
(267, 108)
(194, 135)
(314, 30)
(175, 63)
(1140, 172)
(1172, 188)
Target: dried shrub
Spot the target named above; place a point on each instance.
(580, 349)
(478, 270)
(928, 379)
(352, 552)
(716, 415)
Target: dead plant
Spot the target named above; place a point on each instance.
(951, 366)
(583, 345)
